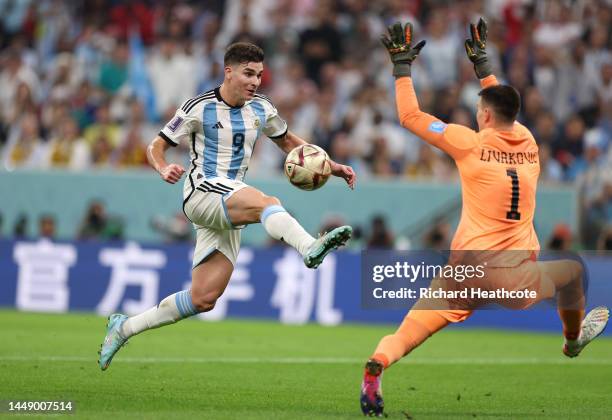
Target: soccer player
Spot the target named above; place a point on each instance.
(221, 126)
(499, 170)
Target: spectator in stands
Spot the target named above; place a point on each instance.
(84, 103)
(22, 104)
(320, 42)
(380, 236)
(447, 101)
(133, 152)
(438, 237)
(14, 73)
(441, 55)
(136, 119)
(430, 164)
(380, 159)
(133, 15)
(604, 243)
(574, 89)
(96, 224)
(327, 124)
(103, 127)
(172, 75)
(571, 143)
(101, 151)
(114, 70)
(532, 107)
(603, 82)
(589, 159)
(65, 76)
(600, 134)
(561, 238)
(94, 221)
(46, 226)
(598, 215)
(550, 169)
(341, 151)
(68, 149)
(545, 130)
(20, 229)
(25, 148)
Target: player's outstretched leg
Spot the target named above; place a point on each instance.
(372, 403)
(113, 340)
(249, 205)
(593, 325)
(281, 225)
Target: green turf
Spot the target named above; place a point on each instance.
(245, 369)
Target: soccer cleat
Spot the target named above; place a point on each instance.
(113, 340)
(325, 244)
(372, 403)
(592, 326)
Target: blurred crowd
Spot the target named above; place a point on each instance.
(97, 224)
(87, 84)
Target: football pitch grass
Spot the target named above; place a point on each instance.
(263, 370)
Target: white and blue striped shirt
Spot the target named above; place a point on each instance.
(222, 137)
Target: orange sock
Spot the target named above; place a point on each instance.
(381, 357)
(572, 322)
(417, 327)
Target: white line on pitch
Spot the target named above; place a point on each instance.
(312, 360)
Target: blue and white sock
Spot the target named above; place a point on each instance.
(170, 310)
(281, 225)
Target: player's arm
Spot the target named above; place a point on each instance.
(156, 155)
(169, 136)
(452, 138)
(290, 141)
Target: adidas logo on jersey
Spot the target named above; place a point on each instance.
(218, 125)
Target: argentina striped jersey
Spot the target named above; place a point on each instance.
(222, 137)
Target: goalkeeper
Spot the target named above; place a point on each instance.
(499, 170)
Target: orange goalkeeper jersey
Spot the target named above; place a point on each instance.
(499, 174)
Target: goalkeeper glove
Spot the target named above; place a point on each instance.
(475, 49)
(398, 43)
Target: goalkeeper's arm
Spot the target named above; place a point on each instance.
(453, 139)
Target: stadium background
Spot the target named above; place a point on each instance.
(85, 85)
(87, 226)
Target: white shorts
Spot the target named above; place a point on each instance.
(205, 207)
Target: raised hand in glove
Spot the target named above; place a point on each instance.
(398, 43)
(476, 49)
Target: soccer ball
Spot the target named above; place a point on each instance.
(308, 167)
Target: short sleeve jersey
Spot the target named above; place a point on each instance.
(222, 137)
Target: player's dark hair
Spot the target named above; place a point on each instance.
(243, 52)
(505, 101)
